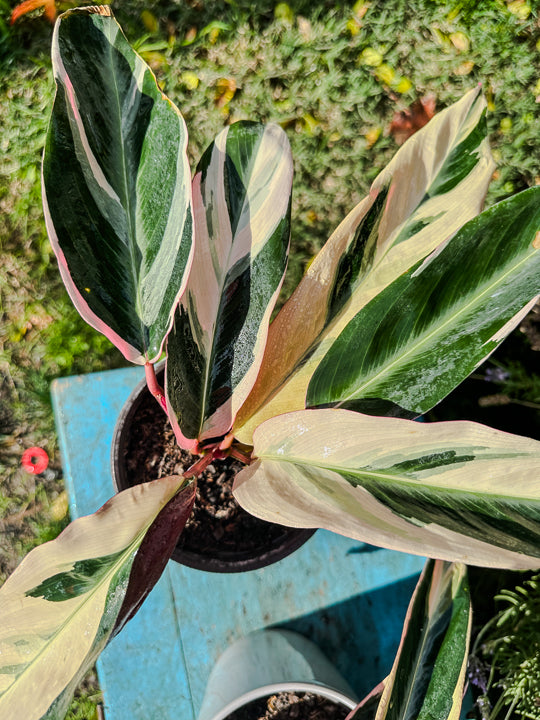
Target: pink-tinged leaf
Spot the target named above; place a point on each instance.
(428, 676)
(154, 552)
(116, 185)
(366, 709)
(452, 490)
(69, 596)
(241, 200)
(435, 183)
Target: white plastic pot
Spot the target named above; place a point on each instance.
(269, 662)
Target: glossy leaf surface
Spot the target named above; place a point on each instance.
(116, 185)
(69, 596)
(241, 197)
(435, 183)
(426, 332)
(452, 490)
(428, 675)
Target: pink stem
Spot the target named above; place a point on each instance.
(239, 455)
(214, 452)
(153, 386)
(197, 468)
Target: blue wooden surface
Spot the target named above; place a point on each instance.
(347, 597)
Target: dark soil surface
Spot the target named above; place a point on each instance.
(291, 706)
(218, 526)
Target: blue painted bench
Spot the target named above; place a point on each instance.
(349, 598)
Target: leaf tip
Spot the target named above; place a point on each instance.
(104, 10)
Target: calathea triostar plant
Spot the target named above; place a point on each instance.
(410, 294)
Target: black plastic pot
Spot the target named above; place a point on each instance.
(223, 561)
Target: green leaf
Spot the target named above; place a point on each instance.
(241, 196)
(116, 180)
(70, 596)
(434, 184)
(84, 575)
(428, 675)
(426, 332)
(454, 490)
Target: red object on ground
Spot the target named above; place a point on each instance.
(406, 122)
(29, 5)
(35, 460)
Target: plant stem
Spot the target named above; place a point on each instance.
(239, 455)
(196, 469)
(153, 386)
(214, 452)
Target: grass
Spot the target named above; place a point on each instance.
(333, 75)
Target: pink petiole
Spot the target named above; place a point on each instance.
(153, 386)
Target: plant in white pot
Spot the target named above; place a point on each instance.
(411, 293)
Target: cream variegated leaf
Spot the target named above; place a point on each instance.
(69, 596)
(428, 330)
(116, 185)
(241, 200)
(453, 490)
(436, 183)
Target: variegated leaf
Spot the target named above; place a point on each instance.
(435, 183)
(241, 201)
(428, 676)
(426, 332)
(69, 596)
(116, 185)
(451, 490)
(366, 709)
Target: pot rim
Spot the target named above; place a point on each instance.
(295, 537)
(274, 688)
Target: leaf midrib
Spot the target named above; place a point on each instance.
(403, 481)
(329, 324)
(210, 357)
(424, 338)
(128, 206)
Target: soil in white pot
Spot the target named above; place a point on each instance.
(291, 706)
